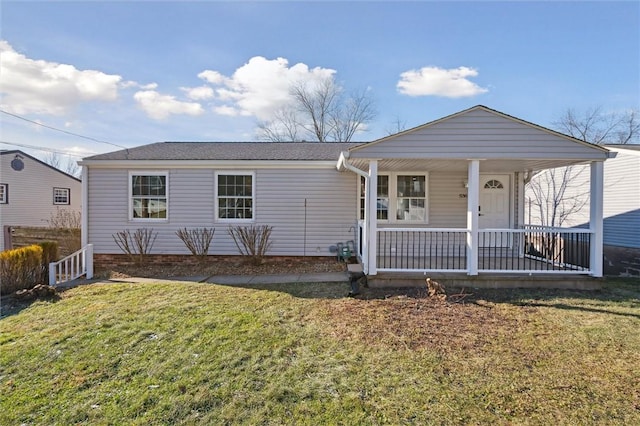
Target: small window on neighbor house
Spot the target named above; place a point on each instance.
(235, 196)
(4, 193)
(148, 196)
(61, 196)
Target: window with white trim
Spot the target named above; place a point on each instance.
(4, 193)
(382, 202)
(235, 196)
(148, 196)
(61, 196)
(408, 192)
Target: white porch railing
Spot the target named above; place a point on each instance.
(532, 250)
(72, 267)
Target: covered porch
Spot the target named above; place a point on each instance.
(448, 197)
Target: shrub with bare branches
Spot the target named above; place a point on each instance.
(252, 241)
(197, 240)
(67, 223)
(136, 245)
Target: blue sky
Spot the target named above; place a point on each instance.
(133, 73)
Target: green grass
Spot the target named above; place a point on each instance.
(184, 353)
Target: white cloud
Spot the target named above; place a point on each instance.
(261, 86)
(213, 77)
(44, 87)
(159, 106)
(434, 81)
(198, 93)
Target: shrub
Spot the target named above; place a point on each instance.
(49, 254)
(137, 245)
(68, 224)
(252, 241)
(20, 268)
(197, 240)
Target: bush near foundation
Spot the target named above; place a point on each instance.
(25, 267)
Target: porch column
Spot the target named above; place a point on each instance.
(372, 226)
(596, 224)
(473, 203)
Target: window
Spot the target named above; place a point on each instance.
(4, 193)
(411, 198)
(235, 196)
(61, 196)
(407, 191)
(382, 199)
(148, 196)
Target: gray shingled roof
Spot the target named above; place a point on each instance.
(230, 151)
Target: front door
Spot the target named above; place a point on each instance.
(494, 209)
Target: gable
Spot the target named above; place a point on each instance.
(479, 132)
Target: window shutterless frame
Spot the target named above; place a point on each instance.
(4, 193)
(403, 198)
(235, 196)
(61, 196)
(148, 196)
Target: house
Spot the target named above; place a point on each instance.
(31, 192)
(621, 207)
(444, 197)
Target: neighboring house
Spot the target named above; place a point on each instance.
(31, 192)
(447, 196)
(621, 207)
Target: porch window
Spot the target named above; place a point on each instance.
(382, 203)
(408, 192)
(61, 196)
(4, 193)
(148, 196)
(235, 196)
(411, 198)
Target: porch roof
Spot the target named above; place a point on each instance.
(503, 142)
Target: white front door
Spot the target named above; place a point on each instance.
(494, 208)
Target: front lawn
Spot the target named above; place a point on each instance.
(184, 353)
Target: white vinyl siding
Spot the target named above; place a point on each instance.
(621, 198)
(477, 134)
(309, 209)
(29, 193)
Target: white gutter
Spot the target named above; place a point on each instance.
(342, 161)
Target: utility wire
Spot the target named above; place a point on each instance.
(39, 148)
(63, 131)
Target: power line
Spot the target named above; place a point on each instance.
(63, 131)
(39, 148)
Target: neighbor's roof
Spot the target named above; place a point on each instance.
(313, 151)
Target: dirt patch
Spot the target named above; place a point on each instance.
(233, 265)
(409, 318)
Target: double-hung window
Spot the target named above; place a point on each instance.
(235, 196)
(401, 198)
(61, 196)
(4, 193)
(148, 195)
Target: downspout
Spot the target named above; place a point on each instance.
(84, 215)
(342, 161)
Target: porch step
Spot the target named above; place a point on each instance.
(456, 280)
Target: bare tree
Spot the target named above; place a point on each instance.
(555, 195)
(320, 111)
(397, 125)
(65, 164)
(599, 127)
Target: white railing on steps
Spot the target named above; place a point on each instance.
(72, 267)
